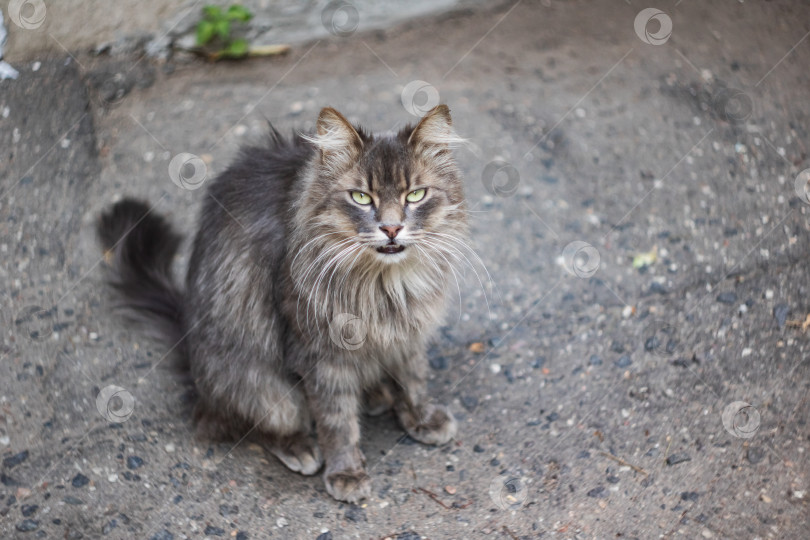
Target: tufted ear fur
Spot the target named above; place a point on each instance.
(338, 141)
(434, 133)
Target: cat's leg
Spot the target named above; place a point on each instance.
(425, 421)
(380, 398)
(284, 425)
(334, 397)
(266, 409)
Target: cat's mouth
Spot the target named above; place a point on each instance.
(391, 248)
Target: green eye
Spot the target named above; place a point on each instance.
(416, 196)
(361, 198)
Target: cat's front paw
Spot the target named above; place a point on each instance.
(348, 485)
(434, 425)
(299, 452)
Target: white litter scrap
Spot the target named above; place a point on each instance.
(6, 71)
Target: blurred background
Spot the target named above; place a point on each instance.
(627, 358)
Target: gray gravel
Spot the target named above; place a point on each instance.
(597, 398)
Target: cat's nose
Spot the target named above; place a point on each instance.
(391, 230)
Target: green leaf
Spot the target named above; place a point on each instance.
(222, 28)
(238, 48)
(212, 12)
(239, 13)
(205, 31)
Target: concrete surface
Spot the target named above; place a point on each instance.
(38, 27)
(596, 399)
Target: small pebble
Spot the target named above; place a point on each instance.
(79, 481)
(12, 461)
(450, 489)
(623, 362)
(657, 288)
(27, 525)
(210, 530)
(282, 522)
(780, 313)
(134, 462)
(728, 297)
(356, 514)
(674, 459)
(598, 492)
(109, 526)
(325, 536)
(538, 362)
(478, 449)
(469, 402)
(28, 510)
(690, 496)
(755, 454)
(438, 362)
(169, 448)
(495, 368)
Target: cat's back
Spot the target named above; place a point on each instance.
(244, 218)
(261, 179)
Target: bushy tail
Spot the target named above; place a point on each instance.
(138, 249)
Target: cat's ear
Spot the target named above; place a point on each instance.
(434, 133)
(336, 138)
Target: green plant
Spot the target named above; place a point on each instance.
(215, 27)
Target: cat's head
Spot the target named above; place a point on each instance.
(390, 198)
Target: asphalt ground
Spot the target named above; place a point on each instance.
(632, 363)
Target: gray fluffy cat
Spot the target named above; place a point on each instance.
(317, 277)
